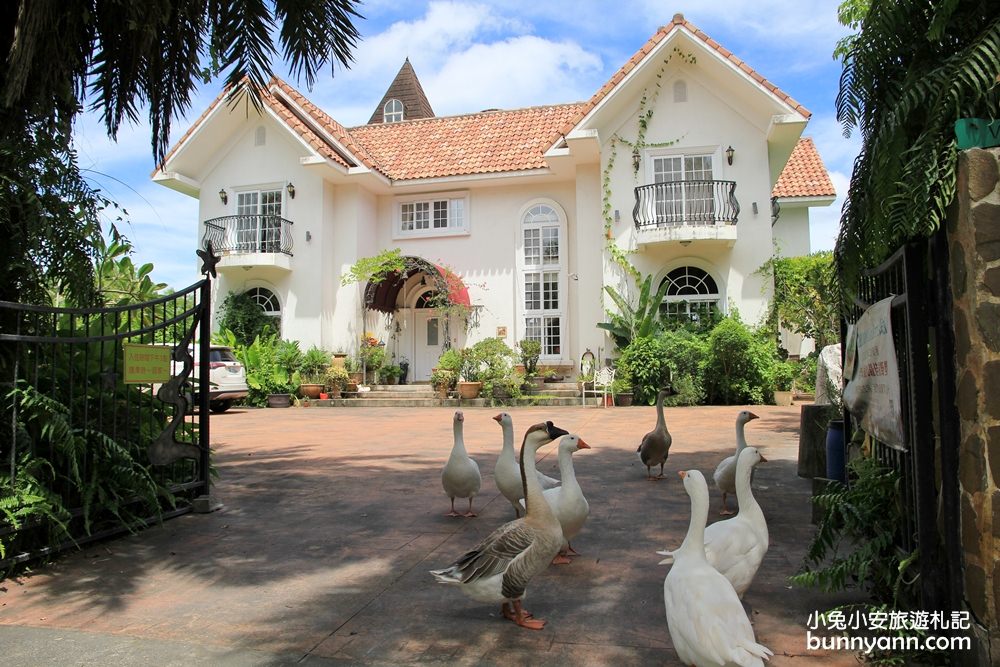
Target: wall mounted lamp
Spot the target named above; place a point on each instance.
(223, 196)
(291, 188)
(635, 159)
(730, 152)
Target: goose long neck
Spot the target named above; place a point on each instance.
(744, 494)
(566, 471)
(694, 541)
(459, 447)
(534, 501)
(741, 440)
(661, 423)
(508, 439)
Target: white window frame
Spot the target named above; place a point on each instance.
(394, 114)
(426, 211)
(549, 276)
(263, 237)
(681, 206)
(719, 299)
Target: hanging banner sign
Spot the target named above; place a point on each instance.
(146, 363)
(872, 392)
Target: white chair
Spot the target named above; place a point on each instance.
(603, 379)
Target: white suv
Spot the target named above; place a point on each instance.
(226, 376)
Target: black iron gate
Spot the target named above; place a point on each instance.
(85, 455)
(916, 278)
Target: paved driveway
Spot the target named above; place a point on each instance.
(332, 518)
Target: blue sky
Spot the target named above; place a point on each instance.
(471, 56)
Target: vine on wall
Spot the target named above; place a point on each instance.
(618, 254)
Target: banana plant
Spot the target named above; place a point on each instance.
(634, 321)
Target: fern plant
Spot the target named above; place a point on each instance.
(911, 72)
(856, 538)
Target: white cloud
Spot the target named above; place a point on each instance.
(517, 72)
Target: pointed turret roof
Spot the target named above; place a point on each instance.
(407, 89)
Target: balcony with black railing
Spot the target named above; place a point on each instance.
(251, 240)
(686, 211)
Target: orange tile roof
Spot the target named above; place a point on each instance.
(661, 34)
(479, 143)
(804, 174)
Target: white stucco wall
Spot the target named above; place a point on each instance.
(791, 231)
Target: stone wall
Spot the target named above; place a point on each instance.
(974, 243)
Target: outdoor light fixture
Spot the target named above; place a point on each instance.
(291, 188)
(223, 197)
(635, 159)
(730, 152)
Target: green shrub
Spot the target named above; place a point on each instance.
(241, 315)
(645, 361)
(314, 364)
(450, 360)
(784, 374)
(805, 380)
(530, 350)
(335, 378)
(740, 365)
(271, 366)
(686, 353)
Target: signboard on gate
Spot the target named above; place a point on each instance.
(872, 392)
(146, 363)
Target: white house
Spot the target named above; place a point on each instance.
(678, 164)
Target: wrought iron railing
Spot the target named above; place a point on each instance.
(242, 234)
(696, 203)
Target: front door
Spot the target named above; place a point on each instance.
(428, 329)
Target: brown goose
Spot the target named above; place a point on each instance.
(655, 445)
(499, 568)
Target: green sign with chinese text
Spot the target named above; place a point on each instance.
(977, 133)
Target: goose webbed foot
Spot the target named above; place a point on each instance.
(570, 551)
(524, 618)
(453, 512)
(470, 513)
(725, 507)
(562, 559)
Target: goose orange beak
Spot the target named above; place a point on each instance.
(582, 445)
(762, 459)
(753, 416)
(682, 473)
(496, 419)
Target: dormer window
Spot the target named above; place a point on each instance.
(392, 112)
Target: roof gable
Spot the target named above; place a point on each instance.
(676, 25)
(407, 89)
(804, 174)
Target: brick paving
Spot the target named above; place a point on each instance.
(332, 518)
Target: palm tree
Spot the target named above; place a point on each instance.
(118, 58)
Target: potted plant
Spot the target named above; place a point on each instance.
(313, 368)
(621, 387)
(336, 379)
(784, 376)
(443, 380)
(552, 375)
(353, 367)
(404, 369)
(389, 373)
(529, 351)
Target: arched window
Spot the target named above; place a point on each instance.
(692, 295)
(269, 303)
(392, 112)
(542, 262)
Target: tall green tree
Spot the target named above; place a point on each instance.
(119, 58)
(806, 300)
(913, 69)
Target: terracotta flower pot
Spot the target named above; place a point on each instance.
(469, 390)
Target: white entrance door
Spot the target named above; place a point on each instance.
(428, 338)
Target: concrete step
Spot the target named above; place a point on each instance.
(378, 401)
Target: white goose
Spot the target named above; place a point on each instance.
(655, 445)
(499, 568)
(567, 501)
(725, 472)
(735, 547)
(507, 472)
(460, 477)
(707, 624)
